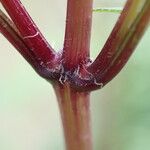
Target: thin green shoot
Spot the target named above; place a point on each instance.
(108, 10)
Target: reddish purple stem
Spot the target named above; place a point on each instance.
(74, 65)
(120, 44)
(78, 33)
(8, 29)
(29, 31)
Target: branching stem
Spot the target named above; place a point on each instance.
(71, 71)
(122, 41)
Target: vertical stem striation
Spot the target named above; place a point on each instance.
(78, 33)
(75, 114)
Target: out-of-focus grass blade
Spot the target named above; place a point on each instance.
(108, 10)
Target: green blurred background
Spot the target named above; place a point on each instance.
(29, 115)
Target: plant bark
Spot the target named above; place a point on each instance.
(75, 114)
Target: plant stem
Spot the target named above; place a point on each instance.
(78, 33)
(9, 30)
(29, 31)
(75, 115)
(121, 43)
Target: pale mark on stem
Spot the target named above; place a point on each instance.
(31, 36)
(63, 76)
(97, 83)
(61, 79)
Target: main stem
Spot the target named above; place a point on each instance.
(75, 115)
(74, 105)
